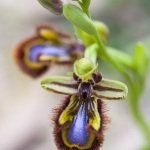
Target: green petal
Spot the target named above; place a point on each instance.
(110, 90)
(84, 68)
(60, 85)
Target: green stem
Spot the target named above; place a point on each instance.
(121, 62)
(136, 112)
(85, 6)
(105, 54)
(103, 51)
(85, 10)
(134, 96)
(121, 57)
(125, 62)
(90, 52)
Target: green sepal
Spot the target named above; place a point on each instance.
(60, 85)
(78, 18)
(110, 90)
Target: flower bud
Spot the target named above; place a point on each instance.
(54, 6)
(102, 29)
(141, 60)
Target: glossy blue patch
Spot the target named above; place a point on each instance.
(49, 50)
(77, 133)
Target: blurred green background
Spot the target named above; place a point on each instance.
(25, 107)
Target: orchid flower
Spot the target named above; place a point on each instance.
(35, 55)
(80, 120)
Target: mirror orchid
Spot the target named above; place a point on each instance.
(80, 120)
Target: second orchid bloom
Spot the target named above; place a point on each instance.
(48, 46)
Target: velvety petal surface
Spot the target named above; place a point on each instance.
(76, 119)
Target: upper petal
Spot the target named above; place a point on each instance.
(110, 90)
(61, 85)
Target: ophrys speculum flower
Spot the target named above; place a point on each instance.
(35, 54)
(80, 120)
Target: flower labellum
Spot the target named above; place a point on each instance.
(34, 55)
(80, 120)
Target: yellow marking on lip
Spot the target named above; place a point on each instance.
(49, 35)
(95, 123)
(48, 58)
(86, 146)
(30, 64)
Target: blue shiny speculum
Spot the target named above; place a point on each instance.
(77, 133)
(49, 50)
(80, 113)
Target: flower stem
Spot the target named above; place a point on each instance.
(85, 6)
(125, 65)
(90, 52)
(136, 112)
(102, 51)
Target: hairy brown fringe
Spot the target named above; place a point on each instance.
(99, 135)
